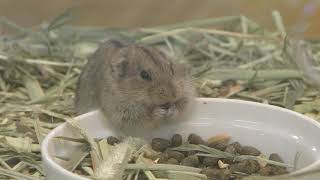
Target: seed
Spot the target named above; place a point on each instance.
(176, 140)
(249, 150)
(222, 165)
(218, 139)
(192, 161)
(159, 144)
(195, 139)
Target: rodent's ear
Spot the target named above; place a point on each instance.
(184, 69)
(120, 68)
(107, 52)
(112, 44)
(107, 48)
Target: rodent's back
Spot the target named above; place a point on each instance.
(86, 90)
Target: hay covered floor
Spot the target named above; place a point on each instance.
(231, 57)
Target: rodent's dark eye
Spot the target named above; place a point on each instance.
(144, 75)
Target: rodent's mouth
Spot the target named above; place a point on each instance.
(166, 105)
(176, 104)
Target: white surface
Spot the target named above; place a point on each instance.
(269, 128)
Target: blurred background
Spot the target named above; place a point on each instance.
(146, 13)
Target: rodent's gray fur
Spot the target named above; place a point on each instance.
(112, 81)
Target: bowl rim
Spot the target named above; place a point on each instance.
(53, 165)
(45, 153)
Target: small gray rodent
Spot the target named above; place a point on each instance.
(136, 87)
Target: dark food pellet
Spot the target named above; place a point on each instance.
(173, 161)
(190, 153)
(192, 161)
(239, 167)
(276, 170)
(214, 173)
(279, 170)
(209, 165)
(176, 155)
(142, 176)
(266, 171)
(113, 140)
(224, 174)
(163, 158)
(210, 161)
(271, 170)
(249, 150)
(159, 144)
(195, 139)
(275, 157)
(233, 177)
(237, 146)
(231, 149)
(220, 146)
(201, 166)
(211, 172)
(253, 166)
(246, 166)
(176, 140)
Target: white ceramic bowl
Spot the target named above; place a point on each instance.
(269, 128)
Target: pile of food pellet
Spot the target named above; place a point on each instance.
(214, 168)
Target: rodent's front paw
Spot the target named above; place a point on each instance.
(170, 111)
(164, 112)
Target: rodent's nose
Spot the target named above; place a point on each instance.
(168, 91)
